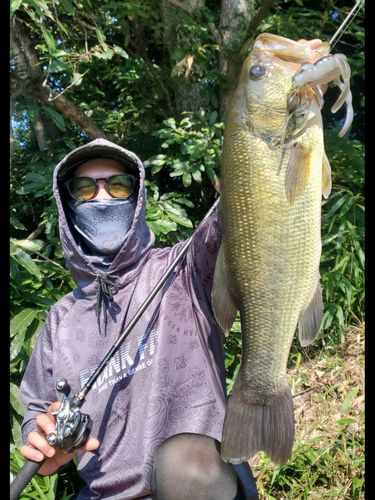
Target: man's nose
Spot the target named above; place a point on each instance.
(102, 192)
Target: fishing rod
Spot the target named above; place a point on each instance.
(345, 24)
(72, 426)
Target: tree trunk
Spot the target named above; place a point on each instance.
(26, 62)
(189, 93)
(234, 20)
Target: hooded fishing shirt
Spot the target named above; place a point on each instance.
(167, 376)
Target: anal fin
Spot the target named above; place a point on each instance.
(310, 320)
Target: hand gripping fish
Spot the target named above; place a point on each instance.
(273, 175)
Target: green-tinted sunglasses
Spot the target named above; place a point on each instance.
(85, 188)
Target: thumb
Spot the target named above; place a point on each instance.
(91, 444)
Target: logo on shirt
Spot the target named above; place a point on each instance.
(123, 364)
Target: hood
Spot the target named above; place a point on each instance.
(140, 238)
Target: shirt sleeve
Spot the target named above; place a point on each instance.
(37, 389)
(203, 252)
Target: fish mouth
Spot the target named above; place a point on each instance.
(288, 53)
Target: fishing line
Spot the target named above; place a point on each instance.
(349, 18)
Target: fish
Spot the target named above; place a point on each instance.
(274, 172)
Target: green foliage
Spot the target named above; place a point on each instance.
(343, 239)
(190, 163)
(194, 147)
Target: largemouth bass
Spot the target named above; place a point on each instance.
(274, 172)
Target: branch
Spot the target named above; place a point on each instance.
(43, 258)
(34, 89)
(35, 234)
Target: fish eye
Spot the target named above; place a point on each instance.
(257, 72)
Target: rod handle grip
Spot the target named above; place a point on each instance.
(26, 473)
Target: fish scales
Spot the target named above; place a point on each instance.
(273, 173)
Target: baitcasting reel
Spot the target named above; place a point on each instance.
(72, 426)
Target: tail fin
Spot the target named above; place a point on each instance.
(250, 427)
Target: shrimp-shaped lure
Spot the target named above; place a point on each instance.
(329, 69)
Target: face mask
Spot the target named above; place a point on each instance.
(103, 224)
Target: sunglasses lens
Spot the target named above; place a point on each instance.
(120, 186)
(82, 188)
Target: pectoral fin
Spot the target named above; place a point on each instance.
(297, 172)
(311, 319)
(326, 177)
(225, 310)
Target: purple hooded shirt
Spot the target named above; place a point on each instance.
(167, 377)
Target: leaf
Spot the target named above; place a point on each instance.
(178, 54)
(170, 123)
(156, 169)
(197, 175)
(229, 358)
(33, 298)
(337, 206)
(77, 79)
(14, 5)
(186, 202)
(186, 179)
(349, 399)
(58, 66)
(17, 433)
(26, 261)
(69, 7)
(15, 400)
(16, 345)
(183, 221)
(42, 8)
(340, 316)
(346, 421)
(159, 163)
(16, 224)
(100, 36)
(213, 117)
(161, 226)
(31, 245)
(21, 321)
(121, 52)
(49, 40)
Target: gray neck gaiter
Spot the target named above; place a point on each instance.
(103, 224)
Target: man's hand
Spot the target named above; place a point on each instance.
(314, 43)
(39, 447)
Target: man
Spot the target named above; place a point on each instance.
(158, 407)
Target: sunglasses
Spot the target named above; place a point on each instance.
(85, 188)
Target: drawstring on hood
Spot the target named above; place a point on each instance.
(107, 289)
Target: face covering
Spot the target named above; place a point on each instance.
(103, 224)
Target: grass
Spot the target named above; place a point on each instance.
(328, 455)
